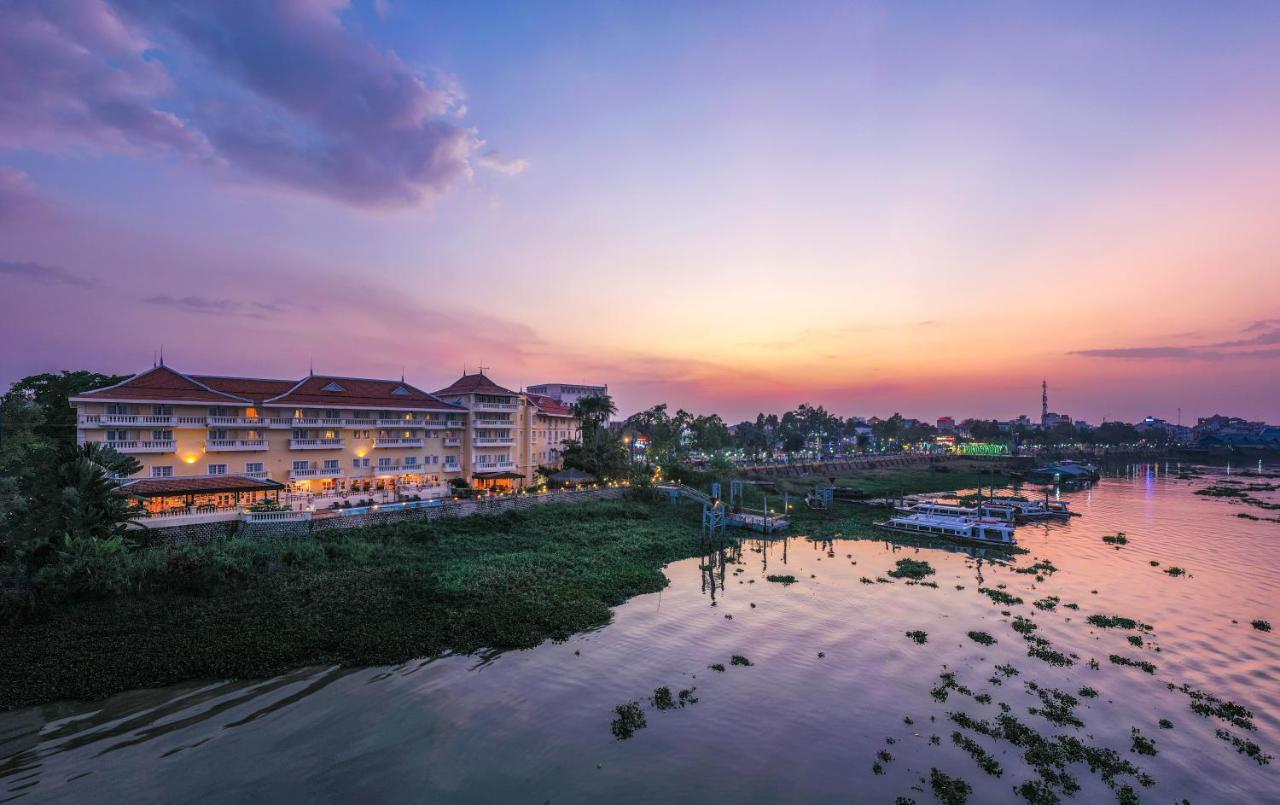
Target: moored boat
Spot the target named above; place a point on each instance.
(982, 530)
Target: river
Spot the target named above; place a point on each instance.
(833, 680)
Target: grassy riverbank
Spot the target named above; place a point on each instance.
(368, 596)
(104, 624)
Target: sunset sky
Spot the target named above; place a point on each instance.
(729, 207)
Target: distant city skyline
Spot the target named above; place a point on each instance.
(729, 208)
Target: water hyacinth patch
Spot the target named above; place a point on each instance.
(629, 719)
(781, 579)
(911, 569)
(1261, 625)
(1000, 596)
(663, 700)
(1118, 659)
(918, 636)
(1141, 743)
(1245, 747)
(982, 638)
(949, 790)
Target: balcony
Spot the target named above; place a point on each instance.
(315, 472)
(136, 420)
(493, 423)
(263, 474)
(492, 406)
(492, 441)
(399, 469)
(495, 466)
(399, 442)
(215, 445)
(399, 423)
(144, 447)
(447, 467)
(236, 421)
(452, 441)
(316, 444)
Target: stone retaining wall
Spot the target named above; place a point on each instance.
(203, 533)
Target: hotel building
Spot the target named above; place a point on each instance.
(324, 433)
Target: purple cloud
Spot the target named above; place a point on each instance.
(281, 91)
(1267, 333)
(74, 76)
(42, 274)
(210, 306)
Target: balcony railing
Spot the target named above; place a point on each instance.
(447, 467)
(400, 423)
(398, 442)
(492, 441)
(316, 472)
(452, 441)
(257, 474)
(242, 421)
(237, 444)
(144, 447)
(496, 466)
(137, 420)
(316, 444)
(492, 406)
(399, 469)
(492, 423)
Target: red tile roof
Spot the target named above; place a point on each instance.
(549, 405)
(161, 384)
(255, 388)
(359, 393)
(474, 384)
(197, 485)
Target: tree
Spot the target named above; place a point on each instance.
(41, 497)
(48, 394)
(70, 493)
(600, 451)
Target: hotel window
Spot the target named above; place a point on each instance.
(331, 463)
(161, 435)
(255, 466)
(117, 409)
(216, 435)
(162, 410)
(355, 463)
(411, 461)
(117, 436)
(162, 472)
(217, 469)
(218, 410)
(384, 463)
(332, 413)
(301, 465)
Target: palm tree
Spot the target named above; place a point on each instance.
(72, 493)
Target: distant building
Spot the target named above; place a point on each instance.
(946, 424)
(1051, 420)
(1178, 433)
(568, 393)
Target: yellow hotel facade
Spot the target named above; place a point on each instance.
(324, 433)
